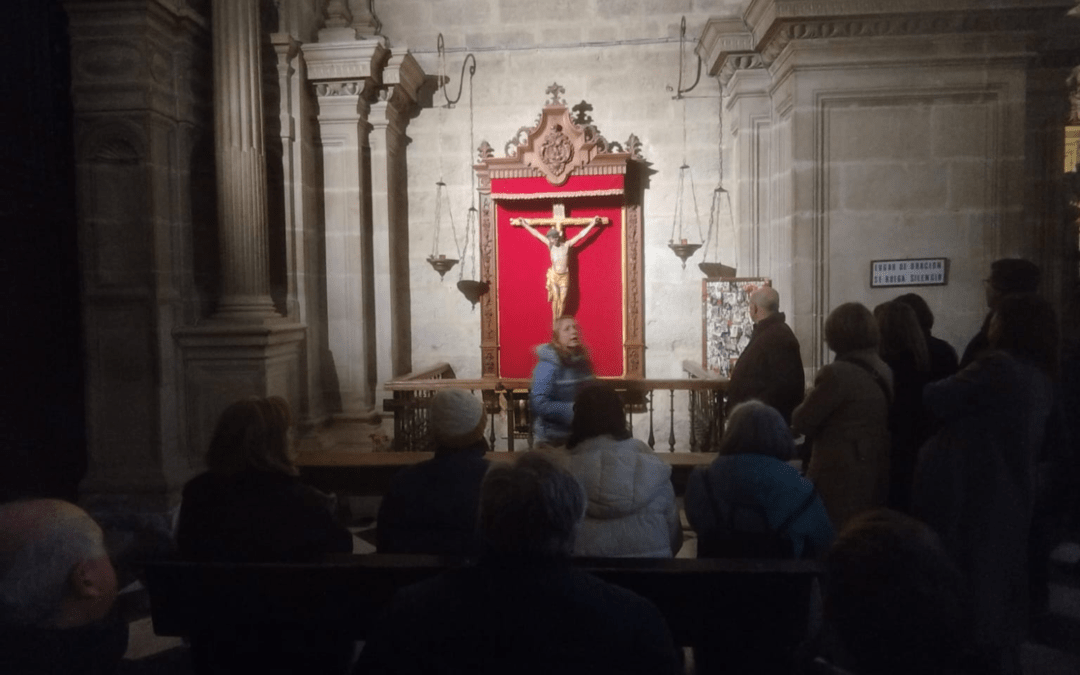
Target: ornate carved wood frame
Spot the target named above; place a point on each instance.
(557, 147)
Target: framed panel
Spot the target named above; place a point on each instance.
(726, 325)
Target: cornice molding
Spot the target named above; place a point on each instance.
(404, 74)
(359, 59)
(720, 37)
(773, 24)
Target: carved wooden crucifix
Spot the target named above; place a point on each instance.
(558, 275)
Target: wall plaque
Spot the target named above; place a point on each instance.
(909, 272)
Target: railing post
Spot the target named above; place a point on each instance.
(671, 423)
(652, 438)
(511, 419)
(692, 396)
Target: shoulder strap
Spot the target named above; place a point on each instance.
(873, 373)
(782, 527)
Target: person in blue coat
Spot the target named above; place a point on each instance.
(750, 495)
(563, 367)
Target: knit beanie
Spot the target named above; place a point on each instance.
(456, 418)
(1014, 275)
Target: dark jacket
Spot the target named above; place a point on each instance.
(909, 426)
(555, 383)
(978, 344)
(95, 649)
(943, 360)
(512, 616)
(257, 516)
(261, 516)
(431, 507)
(974, 482)
(770, 369)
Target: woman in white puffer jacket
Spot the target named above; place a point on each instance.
(631, 508)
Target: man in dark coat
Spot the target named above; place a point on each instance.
(523, 608)
(431, 506)
(770, 369)
(1007, 276)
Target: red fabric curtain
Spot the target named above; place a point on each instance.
(596, 295)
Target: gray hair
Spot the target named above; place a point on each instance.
(754, 427)
(531, 508)
(41, 542)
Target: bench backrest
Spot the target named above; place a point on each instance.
(699, 598)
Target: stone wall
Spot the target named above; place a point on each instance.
(620, 57)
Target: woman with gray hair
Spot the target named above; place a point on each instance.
(750, 502)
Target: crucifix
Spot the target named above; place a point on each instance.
(558, 275)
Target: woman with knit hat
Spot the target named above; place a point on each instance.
(431, 507)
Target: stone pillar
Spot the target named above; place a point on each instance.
(346, 74)
(136, 110)
(389, 116)
(300, 219)
(246, 348)
(241, 162)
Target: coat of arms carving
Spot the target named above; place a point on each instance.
(556, 151)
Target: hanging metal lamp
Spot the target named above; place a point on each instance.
(721, 214)
(679, 245)
(720, 210)
(437, 260)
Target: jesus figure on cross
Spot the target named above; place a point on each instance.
(558, 275)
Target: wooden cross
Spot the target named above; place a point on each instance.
(558, 219)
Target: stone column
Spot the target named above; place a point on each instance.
(300, 219)
(241, 162)
(246, 347)
(346, 73)
(389, 117)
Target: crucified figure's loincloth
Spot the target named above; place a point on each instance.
(557, 285)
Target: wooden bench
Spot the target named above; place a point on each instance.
(369, 473)
(705, 601)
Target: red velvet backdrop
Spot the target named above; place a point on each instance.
(596, 275)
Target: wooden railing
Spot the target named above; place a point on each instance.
(699, 416)
(409, 404)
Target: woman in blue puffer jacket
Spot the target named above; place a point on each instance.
(564, 365)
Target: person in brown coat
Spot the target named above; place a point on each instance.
(770, 369)
(846, 416)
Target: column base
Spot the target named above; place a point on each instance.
(225, 361)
